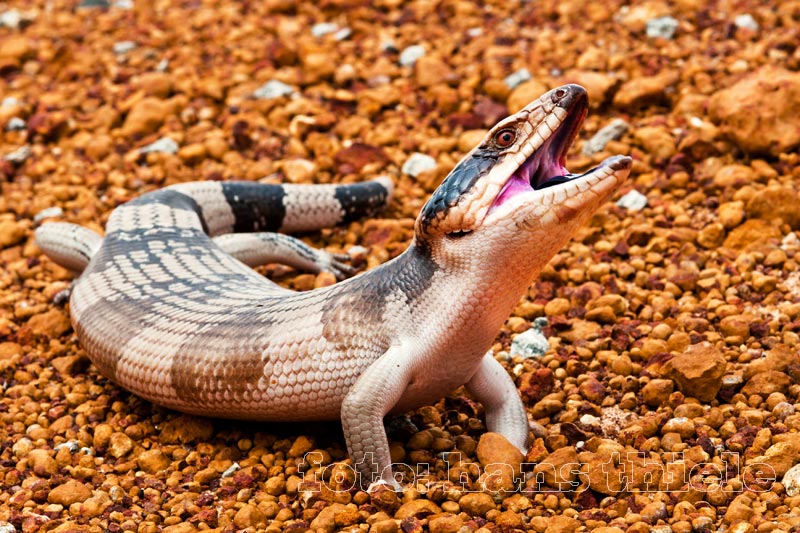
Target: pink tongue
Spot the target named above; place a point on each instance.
(512, 187)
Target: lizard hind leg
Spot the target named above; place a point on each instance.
(68, 245)
(255, 249)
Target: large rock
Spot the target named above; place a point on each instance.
(761, 113)
(148, 114)
(779, 458)
(697, 371)
(598, 85)
(752, 234)
(11, 233)
(776, 203)
(52, 323)
(644, 91)
(71, 491)
(765, 383)
(560, 469)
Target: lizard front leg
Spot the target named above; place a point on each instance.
(505, 414)
(378, 389)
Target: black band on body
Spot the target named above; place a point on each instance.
(360, 200)
(256, 206)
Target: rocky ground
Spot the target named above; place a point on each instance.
(667, 400)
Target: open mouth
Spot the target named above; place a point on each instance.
(545, 166)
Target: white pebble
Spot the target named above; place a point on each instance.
(10, 18)
(663, 27)
(231, 470)
(516, 78)
(531, 343)
(72, 445)
(783, 409)
(323, 28)
(411, 54)
(273, 89)
(123, 47)
(791, 481)
(342, 34)
(633, 201)
(16, 124)
(19, 155)
(746, 22)
(589, 420)
(611, 132)
(418, 163)
(164, 145)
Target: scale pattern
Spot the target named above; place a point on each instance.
(164, 312)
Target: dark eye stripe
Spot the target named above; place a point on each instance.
(459, 181)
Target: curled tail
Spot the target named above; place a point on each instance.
(231, 207)
(242, 207)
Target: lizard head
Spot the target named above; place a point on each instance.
(512, 190)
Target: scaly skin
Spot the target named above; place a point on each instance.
(167, 314)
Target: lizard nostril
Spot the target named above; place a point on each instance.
(567, 95)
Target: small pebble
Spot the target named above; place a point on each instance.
(611, 132)
(633, 200)
(662, 27)
(418, 163)
(746, 22)
(783, 410)
(123, 47)
(16, 124)
(321, 29)
(231, 470)
(531, 343)
(342, 34)
(791, 481)
(411, 54)
(72, 445)
(18, 156)
(273, 89)
(10, 19)
(164, 145)
(520, 76)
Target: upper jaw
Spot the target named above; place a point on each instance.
(544, 167)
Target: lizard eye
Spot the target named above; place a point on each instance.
(505, 138)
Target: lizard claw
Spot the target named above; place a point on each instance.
(377, 487)
(336, 264)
